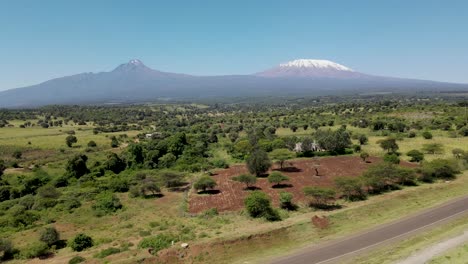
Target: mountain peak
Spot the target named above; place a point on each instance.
(318, 64)
(132, 65)
(135, 62)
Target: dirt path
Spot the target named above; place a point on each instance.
(427, 254)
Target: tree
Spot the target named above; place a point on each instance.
(427, 135)
(415, 155)
(258, 162)
(6, 249)
(276, 178)
(321, 196)
(439, 169)
(433, 148)
(167, 160)
(362, 139)
(458, 153)
(350, 188)
(203, 183)
(135, 154)
(389, 145)
(364, 156)
(293, 128)
(281, 155)
(233, 136)
(258, 204)
(70, 140)
(114, 142)
(114, 163)
(76, 166)
(81, 242)
(247, 179)
(333, 141)
(171, 179)
(49, 235)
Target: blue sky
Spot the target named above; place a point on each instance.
(40, 40)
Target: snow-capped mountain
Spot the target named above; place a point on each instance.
(308, 68)
(136, 82)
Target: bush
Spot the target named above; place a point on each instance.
(157, 242)
(36, 249)
(321, 196)
(92, 144)
(391, 158)
(49, 235)
(76, 260)
(439, 169)
(81, 242)
(210, 212)
(427, 135)
(350, 188)
(415, 155)
(106, 203)
(285, 199)
(220, 163)
(433, 148)
(258, 205)
(107, 252)
(6, 249)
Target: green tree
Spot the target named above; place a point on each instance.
(276, 178)
(258, 204)
(391, 158)
(334, 141)
(363, 139)
(439, 169)
(106, 203)
(246, 179)
(433, 148)
(203, 183)
(49, 235)
(427, 135)
(285, 199)
(258, 162)
(114, 142)
(415, 155)
(76, 166)
(351, 188)
(321, 196)
(389, 145)
(6, 249)
(281, 155)
(114, 163)
(70, 140)
(81, 242)
(135, 154)
(364, 156)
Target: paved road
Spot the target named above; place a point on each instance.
(340, 249)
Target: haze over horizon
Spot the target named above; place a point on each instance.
(49, 39)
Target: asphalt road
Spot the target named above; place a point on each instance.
(340, 249)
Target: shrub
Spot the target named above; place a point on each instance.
(350, 188)
(416, 155)
(158, 242)
(412, 134)
(76, 260)
(439, 169)
(276, 178)
(17, 154)
(203, 183)
(107, 252)
(285, 199)
(391, 158)
(433, 148)
(70, 140)
(81, 242)
(48, 192)
(220, 163)
(210, 212)
(36, 249)
(92, 144)
(364, 156)
(49, 235)
(76, 166)
(6, 249)
(321, 196)
(2, 167)
(427, 135)
(258, 205)
(106, 203)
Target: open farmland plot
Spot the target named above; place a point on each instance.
(301, 174)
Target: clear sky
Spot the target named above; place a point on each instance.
(44, 39)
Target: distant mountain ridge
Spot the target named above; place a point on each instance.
(135, 82)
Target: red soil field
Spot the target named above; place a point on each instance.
(300, 172)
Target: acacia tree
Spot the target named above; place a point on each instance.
(281, 155)
(276, 178)
(389, 145)
(246, 179)
(258, 162)
(350, 188)
(76, 166)
(204, 183)
(321, 196)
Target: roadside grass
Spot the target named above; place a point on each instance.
(401, 250)
(458, 255)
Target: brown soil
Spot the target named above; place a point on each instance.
(301, 173)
